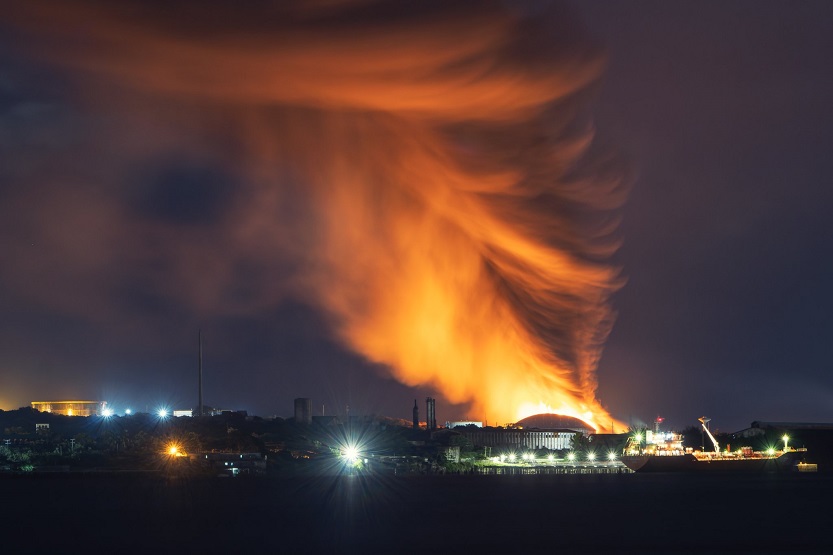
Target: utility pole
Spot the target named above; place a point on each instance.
(199, 338)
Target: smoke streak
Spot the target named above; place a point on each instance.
(431, 164)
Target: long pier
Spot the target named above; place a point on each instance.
(555, 468)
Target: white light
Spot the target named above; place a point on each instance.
(512, 457)
(571, 456)
(611, 456)
(549, 457)
(350, 454)
(107, 413)
(128, 411)
(162, 413)
(591, 456)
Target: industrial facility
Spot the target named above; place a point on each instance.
(71, 408)
(541, 431)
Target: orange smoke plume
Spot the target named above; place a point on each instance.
(457, 215)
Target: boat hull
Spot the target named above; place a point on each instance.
(689, 463)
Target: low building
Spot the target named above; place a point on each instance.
(759, 428)
(71, 408)
(541, 431)
(518, 439)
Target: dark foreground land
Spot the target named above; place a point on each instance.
(133, 513)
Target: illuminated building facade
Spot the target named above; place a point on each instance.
(541, 431)
(516, 439)
(71, 408)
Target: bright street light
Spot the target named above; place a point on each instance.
(351, 454)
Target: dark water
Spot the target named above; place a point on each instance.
(619, 513)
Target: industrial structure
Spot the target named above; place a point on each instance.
(303, 410)
(416, 415)
(541, 431)
(71, 408)
(431, 415)
(199, 379)
(461, 423)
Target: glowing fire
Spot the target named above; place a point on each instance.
(429, 172)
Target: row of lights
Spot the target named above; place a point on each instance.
(162, 413)
(530, 457)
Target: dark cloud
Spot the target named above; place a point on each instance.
(725, 108)
(180, 194)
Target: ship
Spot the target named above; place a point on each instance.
(657, 451)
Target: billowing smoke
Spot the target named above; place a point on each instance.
(426, 170)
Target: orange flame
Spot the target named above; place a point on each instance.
(456, 213)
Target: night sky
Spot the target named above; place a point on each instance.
(128, 223)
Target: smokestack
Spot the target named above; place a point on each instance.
(430, 417)
(199, 407)
(416, 415)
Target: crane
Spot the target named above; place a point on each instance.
(703, 421)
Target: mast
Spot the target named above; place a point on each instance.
(199, 408)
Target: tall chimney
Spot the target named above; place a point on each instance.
(416, 415)
(431, 417)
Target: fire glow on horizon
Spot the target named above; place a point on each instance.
(456, 214)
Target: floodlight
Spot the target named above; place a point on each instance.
(351, 454)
